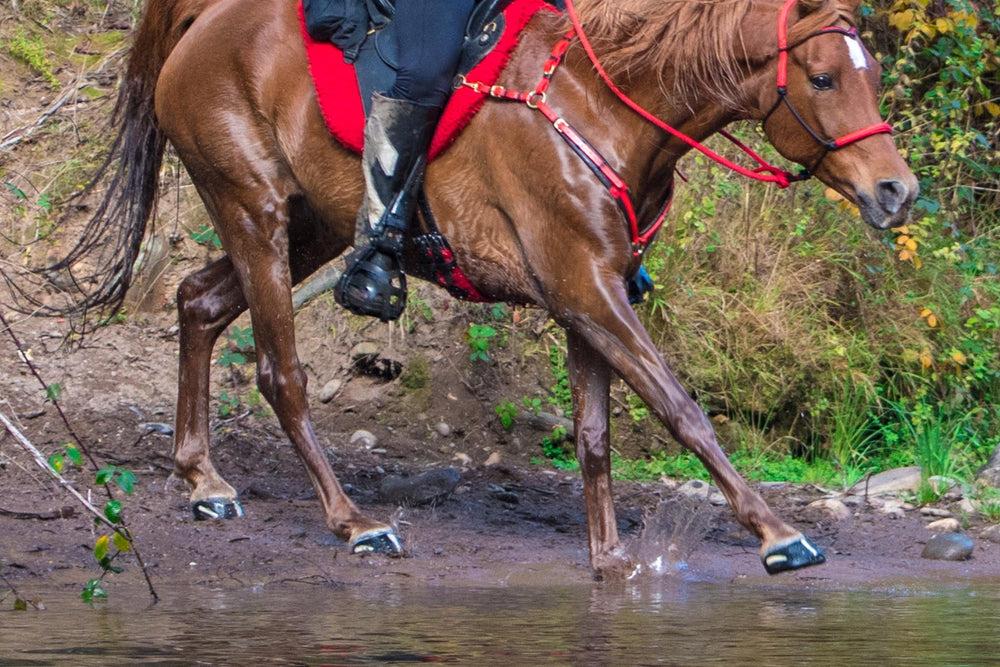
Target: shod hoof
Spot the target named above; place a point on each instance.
(381, 541)
(792, 555)
(216, 508)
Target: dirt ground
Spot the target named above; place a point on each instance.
(509, 520)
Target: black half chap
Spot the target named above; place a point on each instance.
(429, 35)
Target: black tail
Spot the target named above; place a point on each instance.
(94, 276)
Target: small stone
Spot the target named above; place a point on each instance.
(968, 506)
(443, 429)
(716, 498)
(933, 511)
(831, 507)
(329, 390)
(948, 546)
(362, 350)
(946, 525)
(364, 438)
(492, 459)
(463, 458)
(893, 509)
(696, 489)
(992, 534)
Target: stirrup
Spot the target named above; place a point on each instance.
(372, 285)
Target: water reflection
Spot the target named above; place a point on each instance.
(650, 622)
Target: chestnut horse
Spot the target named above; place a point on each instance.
(226, 82)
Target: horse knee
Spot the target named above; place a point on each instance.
(275, 384)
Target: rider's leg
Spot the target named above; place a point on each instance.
(397, 134)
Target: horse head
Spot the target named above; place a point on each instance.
(819, 105)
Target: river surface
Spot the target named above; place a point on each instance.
(656, 621)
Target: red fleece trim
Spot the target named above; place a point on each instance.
(340, 98)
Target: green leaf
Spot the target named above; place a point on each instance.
(121, 542)
(113, 511)
(126, 480)
(57, 462)
(53, 392)
(101, 548)
(74, 454)
(20, 605)
(92, 591)
(104, 475)
(18, 192)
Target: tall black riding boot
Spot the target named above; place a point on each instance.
(397, 134)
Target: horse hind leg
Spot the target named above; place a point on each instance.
(207, 301)
(590, 380)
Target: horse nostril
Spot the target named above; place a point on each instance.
(891, 194)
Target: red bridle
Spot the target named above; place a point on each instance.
(783, 50)
(766, 171)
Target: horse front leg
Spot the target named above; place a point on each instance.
(590, 381)
(601, 315)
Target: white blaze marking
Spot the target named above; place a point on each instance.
(857, 53)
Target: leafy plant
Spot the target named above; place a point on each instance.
(206, 235)
(507, 411)
(479, 337)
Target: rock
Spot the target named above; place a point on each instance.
(897, 480)
(968, 506)
(429, 488)
(933, 511)
(696, 489)
(893, 509)
(504, 495)
(947, 525)
(992, 534)
(362, 350)
(716, 498)
(492, 459)
(329, 390)
(443, 429)
(364, 438)
(948, 546)
(831, 507)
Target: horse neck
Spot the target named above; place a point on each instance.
(645, 154)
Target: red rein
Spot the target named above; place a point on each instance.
(617, 188)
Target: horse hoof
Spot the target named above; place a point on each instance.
(380, 541)
(792, 555)
(216, 508)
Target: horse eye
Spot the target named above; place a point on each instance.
(822, 81)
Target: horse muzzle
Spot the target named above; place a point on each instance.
(888, 204)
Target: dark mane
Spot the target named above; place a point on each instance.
(693, 46)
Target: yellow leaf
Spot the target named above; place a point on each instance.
(958, 357)
(925, 312)
(902, 239)
(932, 321)
(917, 262)
(911, 245)
(943, 25)
(101, 547)
(832, 194)
(902, 229)
(904, 254)
(993, 109)
(925, 359)
(121, 543)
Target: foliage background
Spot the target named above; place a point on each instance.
(822, 349)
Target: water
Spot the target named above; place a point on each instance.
(657, 621)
